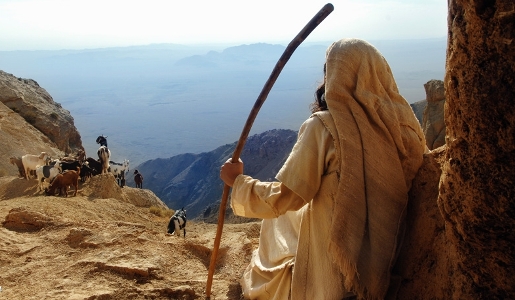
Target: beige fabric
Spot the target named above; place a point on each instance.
(264, 200)
(381, 146)
(310, 171)
(353, 166)
(268, 276)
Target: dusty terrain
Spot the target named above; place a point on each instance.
(97, 247)
(107, 242)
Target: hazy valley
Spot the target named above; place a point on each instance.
(159, 101)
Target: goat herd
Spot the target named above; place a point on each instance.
(63, 172)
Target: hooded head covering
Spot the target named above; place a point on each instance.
(381, 147)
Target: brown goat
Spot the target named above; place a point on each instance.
(17, 162)
(138, 179)
(62, 181)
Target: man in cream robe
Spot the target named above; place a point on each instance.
(345, 182)
(291, 219)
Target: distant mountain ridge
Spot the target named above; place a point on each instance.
(190, 99)
(247, 55)
(192, 180)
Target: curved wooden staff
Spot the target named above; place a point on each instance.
(301, 36)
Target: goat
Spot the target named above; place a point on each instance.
(62, 181)
(138, 179)
(85, 171)
(30, 162)
(102, 140)
(80, 157)
(16, 161)
(177, 222)
(70, 165)
(44, 173)
(119, 171)
(95, 165)
(66, 159)
(103, 156)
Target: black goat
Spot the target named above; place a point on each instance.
(177, 222)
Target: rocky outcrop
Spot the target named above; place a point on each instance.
(17, 138)
(424, 264)
(433, 123)
(477, 187)
(418, 108)
(36, 106)
(460, 233)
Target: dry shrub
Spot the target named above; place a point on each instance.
(161, 212)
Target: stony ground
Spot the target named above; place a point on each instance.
(86, 247)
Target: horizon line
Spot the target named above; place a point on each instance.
(215, 44)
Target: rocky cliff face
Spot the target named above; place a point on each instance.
(461, 218)
(17, 138)
(36, 106)
(477, 187)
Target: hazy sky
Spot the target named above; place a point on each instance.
(74, 24)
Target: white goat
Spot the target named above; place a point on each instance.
(103, 156)
(30, 162)
(119, 170)
(47, 173)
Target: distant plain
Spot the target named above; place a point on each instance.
(158, 101)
